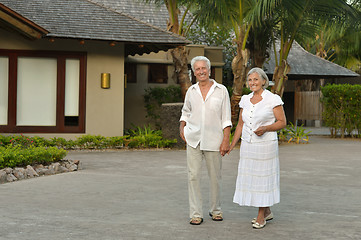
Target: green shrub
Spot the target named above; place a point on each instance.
(116, 142)
(62, 143)
(17, 156)
(297, 134)
(283, 135)
(91, 142)
(147, 138)
(150, 141)
(24, 141)
(342, 109)
(19, 150)
(41, 142)
(4, 140)
(146, 130)
(292, 133)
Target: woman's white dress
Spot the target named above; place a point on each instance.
(258, 180)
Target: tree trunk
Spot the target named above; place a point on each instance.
(179, 54)
(180, 61)
(258, 58)
(280, 77)
(239, 68)
(173, 12)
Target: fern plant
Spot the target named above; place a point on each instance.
(297, 133)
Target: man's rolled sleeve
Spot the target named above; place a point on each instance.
(227, 124)
(226, 111)
(185, 109)
(183, 118)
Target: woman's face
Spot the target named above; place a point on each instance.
(255, 82)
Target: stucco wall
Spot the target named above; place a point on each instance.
(104, 107)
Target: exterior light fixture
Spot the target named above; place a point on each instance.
(105, 80)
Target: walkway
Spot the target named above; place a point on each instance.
(143, 195)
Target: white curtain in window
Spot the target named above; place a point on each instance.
(36, 91)
(4, 88)
(72, 87)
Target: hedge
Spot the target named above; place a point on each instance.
(342, 109)
(17, 156)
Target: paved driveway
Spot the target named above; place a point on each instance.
(143, 195)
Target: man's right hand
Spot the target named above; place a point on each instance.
(181, 131)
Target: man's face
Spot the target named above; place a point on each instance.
(201, 71)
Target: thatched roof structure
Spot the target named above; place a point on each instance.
(305, 65)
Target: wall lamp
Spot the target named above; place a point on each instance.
(105, 80)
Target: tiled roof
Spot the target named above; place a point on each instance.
(304, 64)
(156, 15)
(86, 19)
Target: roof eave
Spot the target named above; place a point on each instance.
(15, 21)
(133, 49)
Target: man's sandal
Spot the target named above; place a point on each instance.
(216, 217)
(196, 221)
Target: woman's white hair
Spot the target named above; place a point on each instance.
(261, 74)
(201, 58)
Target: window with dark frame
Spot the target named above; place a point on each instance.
(68, 71)
(157, 73)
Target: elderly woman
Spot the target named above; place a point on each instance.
(261, 115)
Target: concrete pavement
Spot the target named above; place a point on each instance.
(143, 195)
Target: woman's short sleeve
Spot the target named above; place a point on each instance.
(277, 101)
(242, 102)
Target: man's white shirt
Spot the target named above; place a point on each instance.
(206, 119)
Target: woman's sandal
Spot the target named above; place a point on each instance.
(269, 217)
(258, 225)
(216, 217)
(196, 221)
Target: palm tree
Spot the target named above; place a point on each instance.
(237, 16)
(339, 42)
(298, 19)
(177, 23)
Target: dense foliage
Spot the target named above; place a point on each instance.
(342, 109)
(135, 138)
(154, 97)
(147, 138)
(18, 156)
(20, 150)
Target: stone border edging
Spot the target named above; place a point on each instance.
(18, 173)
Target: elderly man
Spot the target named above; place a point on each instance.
(205, 126)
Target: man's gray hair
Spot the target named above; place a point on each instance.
(261, 74)
(201, 58)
